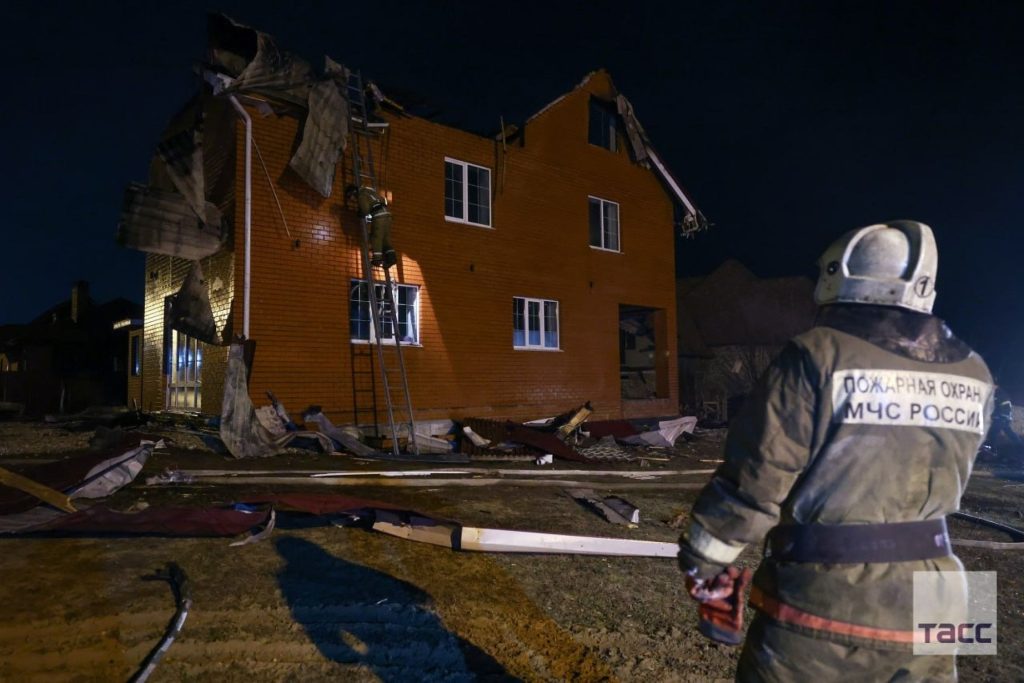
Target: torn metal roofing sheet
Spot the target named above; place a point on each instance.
(181, 151)
(162, 222)
(323, 137)
(190, 310)
(253, 63)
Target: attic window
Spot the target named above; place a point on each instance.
(467, 193)
(604, 125)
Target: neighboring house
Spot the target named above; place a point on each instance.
(731, 325)
(74, 355)
(520, 256)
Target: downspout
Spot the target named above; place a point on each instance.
(248, 211)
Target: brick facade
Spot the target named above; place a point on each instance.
(465, 365)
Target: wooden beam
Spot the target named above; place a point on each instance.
(41, 491)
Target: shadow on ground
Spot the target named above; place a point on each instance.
(361, 617)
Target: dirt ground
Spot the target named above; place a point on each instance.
(317, 602)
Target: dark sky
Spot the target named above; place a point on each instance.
(789, 122)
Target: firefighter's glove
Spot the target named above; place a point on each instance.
(721, 600)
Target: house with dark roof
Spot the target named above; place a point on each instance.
(71, 356)
(731, 324)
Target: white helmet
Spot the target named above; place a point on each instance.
(890, 264)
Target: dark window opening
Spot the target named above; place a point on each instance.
(603, 129)
(643, 365)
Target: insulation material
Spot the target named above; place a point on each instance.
(190, 310)
(162, 222)
(240, 430)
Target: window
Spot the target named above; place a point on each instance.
(534, 323)
(603, 130)
(604, 224)
(185, 379)
(467, 193)
(361, 324)
(136, 356)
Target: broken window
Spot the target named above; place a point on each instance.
(603, 130)
(185, 376)
(534, 323)
(467, 193)
(604, 224)
(407, 297)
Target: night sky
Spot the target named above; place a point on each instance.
(788, 122)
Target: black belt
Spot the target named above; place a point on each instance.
(858, 543)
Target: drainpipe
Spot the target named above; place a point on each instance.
(248, 211)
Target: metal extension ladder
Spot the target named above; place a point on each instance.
(383, 313)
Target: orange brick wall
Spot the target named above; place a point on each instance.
(468, 275)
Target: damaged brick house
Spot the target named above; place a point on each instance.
(731, 325)
(519, 254)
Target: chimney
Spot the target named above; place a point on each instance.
(79, 299)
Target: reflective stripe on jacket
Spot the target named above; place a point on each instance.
(873, 416)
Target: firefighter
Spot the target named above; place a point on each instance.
(856, 444)
(373, 208)
(1002, 420)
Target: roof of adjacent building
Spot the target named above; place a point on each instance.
(734, 307)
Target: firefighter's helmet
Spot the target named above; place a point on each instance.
(889, 264)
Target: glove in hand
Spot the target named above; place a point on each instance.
(721, 599)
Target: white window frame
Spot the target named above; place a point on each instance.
(465, 194)
(381, 301)
(185, 379)
(527, 346)
(604, 217)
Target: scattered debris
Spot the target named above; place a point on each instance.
(624, 508)
(678, 520)
(344, 438)
(573, 423)
(1016, 534)
(240, 428)
(545, 459)
(175, 576)
(588, 497)
(667, 433)
(478, 441)
(255, 537)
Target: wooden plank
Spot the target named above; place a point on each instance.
(44, 493)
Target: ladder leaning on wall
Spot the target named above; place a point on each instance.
(383, 310)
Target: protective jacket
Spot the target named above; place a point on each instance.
(873, 416)
(374, 209)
